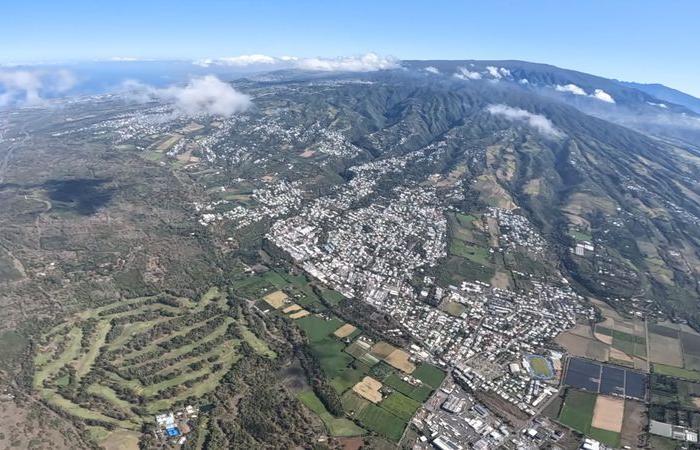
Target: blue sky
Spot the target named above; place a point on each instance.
(647, 41)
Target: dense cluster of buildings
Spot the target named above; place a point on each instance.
(276, 199)
(375, 252)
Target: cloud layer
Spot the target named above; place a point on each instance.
(597, 94)
(368, 62)
(603, 96)
(572, 88)
(466, 74)
(535, 121)
(204, 95)
(29, 87)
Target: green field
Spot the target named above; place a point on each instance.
(353, 403)
(336, 426)
(540, 366)
(429, 374)
(609, 438)
(318, 328)
(418, 393)
(466, 241)
(332, 297)
(347, 379)
(258, 344)
(671, 371)
(345, 365)
(400, 405)
(580, 235)
(577, 411)
(330, 354)
(382, 422)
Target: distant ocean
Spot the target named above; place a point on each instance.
(107, 76)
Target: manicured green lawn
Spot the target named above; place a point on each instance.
(610, 438)
(418, 393)
(382, 422)
(540, 366)
(332, 297)
(429, 374)
(577, 411)
(400, 405)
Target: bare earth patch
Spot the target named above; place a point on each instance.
(121, 440)
(382, 349)
(665, 350)
(620, 355)
(369, 388)
(276, 299)
(291, 308)
(345, 331)
(608, 413)
(604, 338)
(633, 424)
(399, 359)
(299, 314)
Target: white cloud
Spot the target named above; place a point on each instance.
(466, 74)
(603, 96)
(124, 59)
(524, 81)
(432, 69)
(369, 62)
(27, 87)
(204, 95)
(571, 88)
(536, 121)
(598, 94)
(238, 61)
(660, 105)
(364, 63)
(62, 80)
(497, 72)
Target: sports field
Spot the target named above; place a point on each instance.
(118, 364)
(577, 411)
(599, 417)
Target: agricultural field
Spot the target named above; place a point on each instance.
(369, 377)
(120, 364)
(597, 416)
(674, 350)
(336, 426)
(430, 375)
(678, 372)
(469, 257)
(616, 339)
(667, 348)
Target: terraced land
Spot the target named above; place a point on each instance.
(119, 364)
